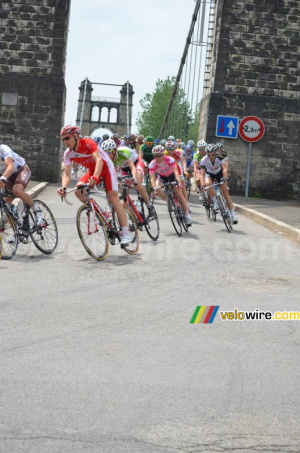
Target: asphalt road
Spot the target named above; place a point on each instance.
(101, 356)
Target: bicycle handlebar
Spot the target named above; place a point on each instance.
(82, 186)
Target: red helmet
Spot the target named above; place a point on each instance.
(69, 129)
(170, 144)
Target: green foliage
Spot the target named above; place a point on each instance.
(154, 107)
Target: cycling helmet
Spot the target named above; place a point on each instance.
(201, 144)
(181, 145)
(156, 141)
(209, 148)
(158, 150)
(140, 137)
(163, 142)
(69, 129)
(126, 137)
(171, 137)
(149, 139)
(105, 137)
(132, 136)
(191, 142)
(115, 136)
(220, 145)
(170, 144)
(108, 146)
(97, 139)
(188, 148)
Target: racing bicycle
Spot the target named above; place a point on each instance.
(16, 228)
(97, 229)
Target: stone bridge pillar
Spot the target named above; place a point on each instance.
(255, 70)
(33, 39)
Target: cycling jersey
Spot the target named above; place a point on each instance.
(212, 167)
(124, 156)
(147, 153)
(189, 158)
(164, 168)
(84, 154)
(6, 151)
(197, 157)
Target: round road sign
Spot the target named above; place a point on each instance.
(251, 129)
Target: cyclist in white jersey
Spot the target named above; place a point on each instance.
(15, 176)
(213, 168)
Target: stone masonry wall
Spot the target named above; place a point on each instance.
(256, 71)
(33, 37)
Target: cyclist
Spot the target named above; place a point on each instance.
(166, 169)
(127, 160)
(198, 155)
(189, 158)
(213, 168)
(126, 141)
(140, 142)
(177, 154)
(132, 141)
(146, 150)
(86, 153)
(116, 138)
(15, 176)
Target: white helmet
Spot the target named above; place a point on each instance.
(108, 145)
(171, 137)
(201, 144)
(158, 150)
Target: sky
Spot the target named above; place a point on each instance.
(112, 41)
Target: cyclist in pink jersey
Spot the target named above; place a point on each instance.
(166, 170)
(86, 152)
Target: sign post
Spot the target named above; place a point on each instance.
(251, 129)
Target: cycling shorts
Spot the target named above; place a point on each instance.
(22, 176)
(108, 175)
(165, 179)
(217, 177)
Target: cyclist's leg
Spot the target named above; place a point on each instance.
(227, 197)
(159, 182)
(111, 184)
(182, 200)
(81, 193)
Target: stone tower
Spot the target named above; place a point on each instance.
(255, 70)
(88, 124)
(32, 87)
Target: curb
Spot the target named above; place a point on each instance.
(37, 189)
(269, 222)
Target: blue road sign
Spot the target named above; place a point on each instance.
(227, 126)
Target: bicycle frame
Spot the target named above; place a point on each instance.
(127, 200)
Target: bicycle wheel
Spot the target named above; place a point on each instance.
(93, 235)
(134, 245)
(181, 215)
(188, 185)
(45, 237)
(206, 200)
(151, 225)
(8, 231)
(212, 211)
(225, 214)
(174, 215)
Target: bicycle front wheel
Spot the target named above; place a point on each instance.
(44, 237)
(92, 232)
(151, 224)
(8, 231)
(225, 214)
(175, 218)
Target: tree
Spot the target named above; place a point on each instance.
(155, 105)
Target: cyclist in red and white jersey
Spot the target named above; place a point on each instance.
(166, 169)
(177, 154)
(86, 152)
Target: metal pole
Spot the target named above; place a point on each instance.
(248, 169)
(128, 126)
(83, 102)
